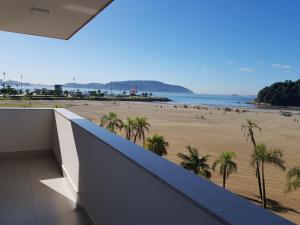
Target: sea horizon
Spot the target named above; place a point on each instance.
(222, 100)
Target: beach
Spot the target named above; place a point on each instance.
(218, 131)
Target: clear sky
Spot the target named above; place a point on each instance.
(209, 46)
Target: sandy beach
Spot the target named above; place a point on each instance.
(216, 133)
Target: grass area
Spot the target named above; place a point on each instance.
(30, 104)
(15, 105)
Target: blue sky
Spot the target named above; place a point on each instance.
(209, 46)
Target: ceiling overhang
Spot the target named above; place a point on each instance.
(50, 18)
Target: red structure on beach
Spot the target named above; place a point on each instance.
(133, 91)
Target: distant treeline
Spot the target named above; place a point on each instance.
(281, 94)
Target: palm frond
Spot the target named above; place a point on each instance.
(192, 161)
(227, 166)
(294, 172)
(275, 157)
(215, 164)
(293, 179)
(183, 157)
(205, 173)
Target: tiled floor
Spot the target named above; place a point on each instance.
(33, 192)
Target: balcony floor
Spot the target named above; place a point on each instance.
(34, 192)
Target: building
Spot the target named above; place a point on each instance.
(58, 89)
(58, 168)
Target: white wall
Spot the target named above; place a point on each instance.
(26, 129)
(118, 183)
(118, 191)
(65, 148)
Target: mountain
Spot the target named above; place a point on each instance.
(88, 85)
(142, 85)
(14, 83)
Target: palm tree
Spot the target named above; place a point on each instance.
(293, 179)
(248, 130)
(157, 144)
(129, 128)
(140, 125)
(111, 122)
(263, 155)
(227, 165)
(192, 161)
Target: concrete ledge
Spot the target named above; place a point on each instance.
(214, 201)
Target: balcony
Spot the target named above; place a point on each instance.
(33, 191)
(58, 168)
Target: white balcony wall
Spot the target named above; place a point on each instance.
(26, 130)
(65, 148)
(114, 189)
(118, 182)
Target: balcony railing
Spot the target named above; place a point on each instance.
(117, 182)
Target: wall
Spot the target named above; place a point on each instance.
(114, 189)
(120, 183)
(65, 149)
(26, 129)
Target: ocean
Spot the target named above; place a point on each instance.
(208, 99)
(188, 98)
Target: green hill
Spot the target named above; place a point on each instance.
(281, 94)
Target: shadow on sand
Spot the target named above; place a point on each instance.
(272, 205)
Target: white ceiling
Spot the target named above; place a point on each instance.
(51, 18)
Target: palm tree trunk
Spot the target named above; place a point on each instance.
(224, 177)
(253, 140)
(196, 169)
(135, 136)
(129, 134)
(257, 168)
(259, 180)
(263, 185)
(143, 140)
